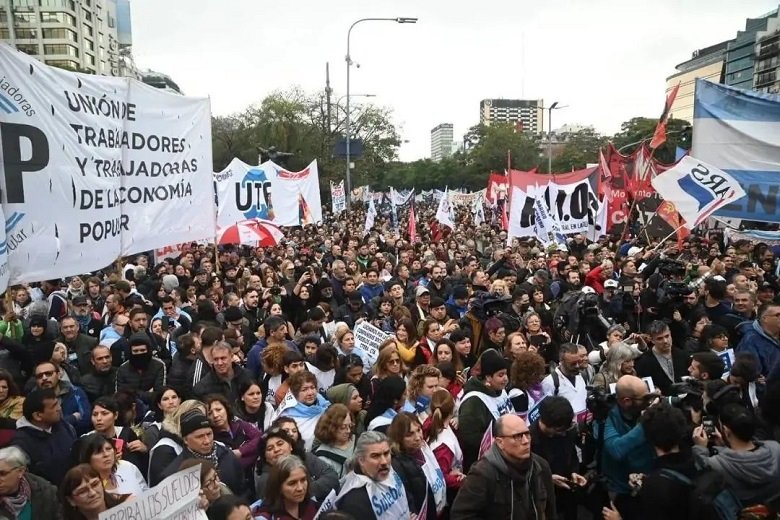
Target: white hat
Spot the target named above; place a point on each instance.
(588, 290)
(611, 284)
(632, 251)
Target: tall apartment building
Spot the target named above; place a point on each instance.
(707, 63)
(441, 141)
(527, 114)
(85, 35)
(741, 56)
(766, 73)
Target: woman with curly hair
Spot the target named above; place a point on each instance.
(335, 433)
(525, 379)
(272, 360)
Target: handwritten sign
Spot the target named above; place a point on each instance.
(175, 498)
(368, 338)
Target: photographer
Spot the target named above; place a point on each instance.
(751, 468)
(663, 363)
(625, 448)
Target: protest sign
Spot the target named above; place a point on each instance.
(338, 197)
(244, 192)
(175, 498)
(97, 167)
(297, 196)
(368, 338)
(328, 504)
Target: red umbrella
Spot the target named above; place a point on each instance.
(256, 232)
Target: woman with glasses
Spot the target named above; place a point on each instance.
(82, 495)
(350, 397)
(416, 464)
(275, 445)
(22, 494)
(335, 434)
(715, 338)
(211, 488)
(388, 363)
(118, 476)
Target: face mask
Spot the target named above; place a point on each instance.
(140, 361)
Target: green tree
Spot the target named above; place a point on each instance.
(641, 129)
(580, 148)
(492, 144)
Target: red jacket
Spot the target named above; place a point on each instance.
(593, 279)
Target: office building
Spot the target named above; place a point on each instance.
(741, 54)
(766, 74)
(81, 35)
(161, 81)
(441, 141)
(526, 114)
(707, 63)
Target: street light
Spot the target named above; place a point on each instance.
(549, 134)
(338, 102)
(403, 19)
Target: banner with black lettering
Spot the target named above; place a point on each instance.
(97, 167)
(543, 206)
(244, 193)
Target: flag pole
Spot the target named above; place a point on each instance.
(670, 235)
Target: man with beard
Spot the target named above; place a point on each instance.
(142, 373)
(373, 482)
(79, 344)
(251, 311)
(338, 275)
(88, 320)
(626, 450)
(100, 380)
(438, 286)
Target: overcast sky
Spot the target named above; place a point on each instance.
(607, 60)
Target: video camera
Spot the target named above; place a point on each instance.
(599, 402)
(688, 394)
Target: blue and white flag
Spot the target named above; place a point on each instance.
(738, 131)
(697, 189)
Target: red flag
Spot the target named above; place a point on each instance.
(659, 137)
(412, 225)
(669, 213)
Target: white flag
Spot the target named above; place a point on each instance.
(478, 209)
(370, 216)
(443, 213)
(697, 189)
(599, 226)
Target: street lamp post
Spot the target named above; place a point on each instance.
(338, 103)
(348, 191)
(549, 136)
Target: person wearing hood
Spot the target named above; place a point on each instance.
(458, 302)
(198, 443)
(76, 408)
(484, 400)
(348, 395)
(762, 338)
(35, 345)
(142, 373)
(510, 481)
(44, 436)
(751, 468)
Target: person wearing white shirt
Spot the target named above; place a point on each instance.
(566, 380)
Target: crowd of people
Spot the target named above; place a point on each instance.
(607, 379)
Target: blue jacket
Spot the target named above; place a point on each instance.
(761, 345)
(74, 399)
(369, 292)
(625, 451)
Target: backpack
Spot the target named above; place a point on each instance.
(710, 497)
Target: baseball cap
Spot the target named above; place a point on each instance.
(611, 284)
(634, 250)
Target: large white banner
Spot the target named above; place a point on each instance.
(244, 192)
(296, 196)
(176, 497)
(97, 167)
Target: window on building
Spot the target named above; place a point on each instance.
(90, 59)
(87, 15)
(64, 64)
(23, 3)
(26, 34)
(5, 33)
(24, 17)
(60, 34)
(27, 48)
(58, 17)
(111, 22)
(69, 4)
(89, 44)
(3, 16)
(70, 50)
(88, 29)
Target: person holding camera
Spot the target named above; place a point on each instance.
(750, 467)
(624, 447)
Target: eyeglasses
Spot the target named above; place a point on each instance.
(518, 436)
(92, 485)
(211, 482)
(45, 375)
(394, 362)
(5, 473)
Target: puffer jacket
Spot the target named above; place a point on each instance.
(144, 383)
(762, 345)
(493, 490)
